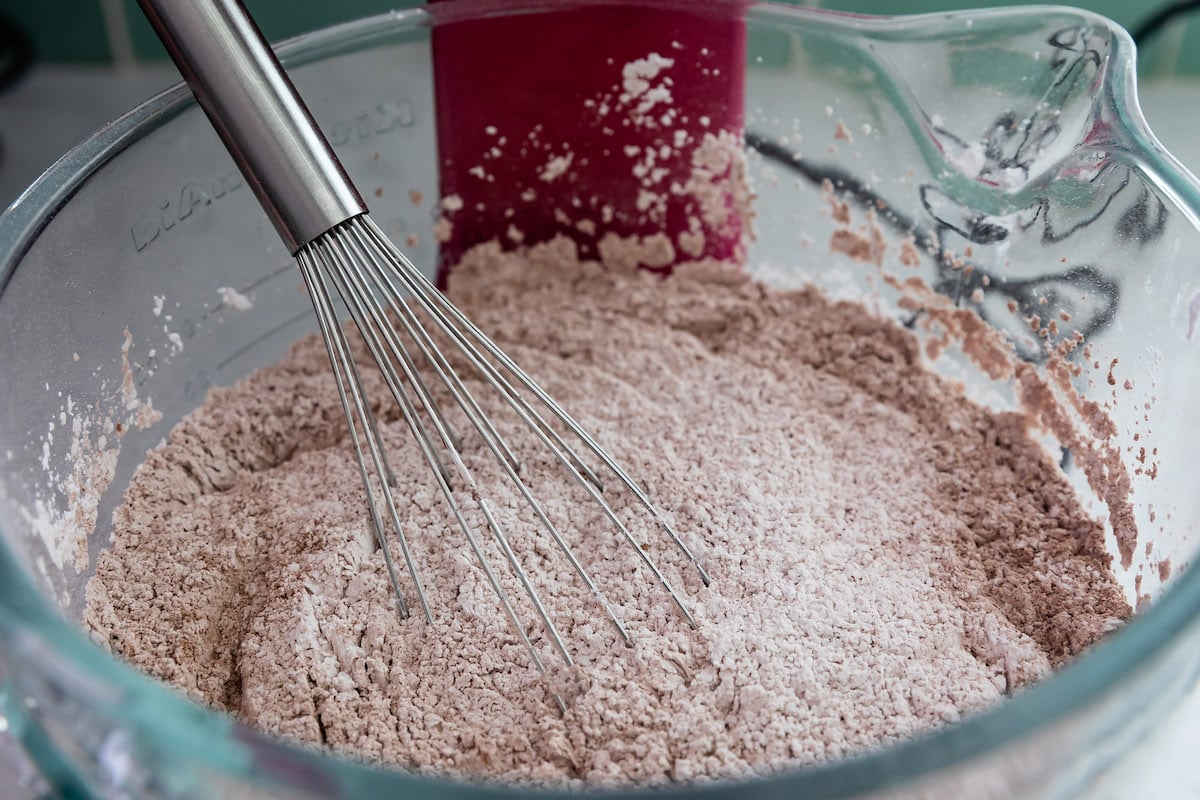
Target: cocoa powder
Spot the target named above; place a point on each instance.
(887, 556)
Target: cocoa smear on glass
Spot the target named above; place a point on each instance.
(887, 556)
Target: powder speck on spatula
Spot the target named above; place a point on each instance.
(887, 556)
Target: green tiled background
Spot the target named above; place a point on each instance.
(113, 30)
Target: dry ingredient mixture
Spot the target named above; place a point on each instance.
(886, 555)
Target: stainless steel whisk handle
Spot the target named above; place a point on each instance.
(256, 111)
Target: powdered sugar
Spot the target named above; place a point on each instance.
(556, 167)
(232, 298)
(638, 81)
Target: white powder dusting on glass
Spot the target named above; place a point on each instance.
(234, 299)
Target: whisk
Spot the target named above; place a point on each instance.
(400, 315)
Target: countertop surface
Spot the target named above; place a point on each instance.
(63, 105)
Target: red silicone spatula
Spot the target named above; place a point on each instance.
(589, 120)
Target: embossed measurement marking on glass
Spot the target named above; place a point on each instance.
(361, 127)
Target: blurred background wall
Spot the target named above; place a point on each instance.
(68, 66)
(113, 31)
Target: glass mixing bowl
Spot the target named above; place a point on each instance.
(1012, 138)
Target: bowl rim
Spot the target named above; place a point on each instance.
(215, 741)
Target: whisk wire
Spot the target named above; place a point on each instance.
(382, 293)
(369, 321)
(395, 299)
(349, 268)
(519, 571)
(320, 216)
(422, 287)
(491, 437)
(435, 304)
(422, 291)
(368, 317)
(336, 347)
